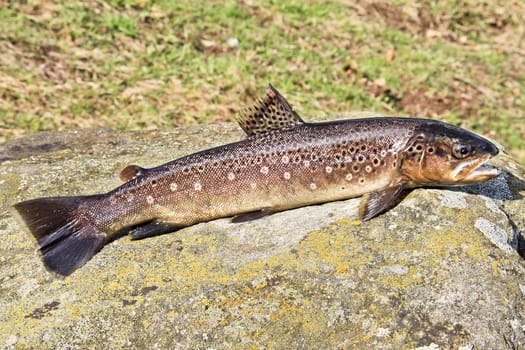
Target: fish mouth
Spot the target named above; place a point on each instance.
(475, 171)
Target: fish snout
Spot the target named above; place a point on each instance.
(490, 148)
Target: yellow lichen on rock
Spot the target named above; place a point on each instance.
(420, 274)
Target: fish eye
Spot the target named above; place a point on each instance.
(461, 151)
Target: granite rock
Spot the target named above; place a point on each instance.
(444, 269)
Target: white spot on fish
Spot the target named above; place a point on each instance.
(285, 159)
(286, 175)
(328, 169)
(361, 180)
(313, 186)
(253, 185)
(173, 187)
(150, 199)
(348, 159)
(231, 176)
(130, 197)
(368, 169)
(349, 177)
(306, 163)
(383, 153)
(197, 186)
(264, 170)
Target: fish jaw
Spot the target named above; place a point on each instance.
(474, 171)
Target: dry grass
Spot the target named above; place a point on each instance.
(144, 64)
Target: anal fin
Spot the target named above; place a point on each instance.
(252, 215)
(374, 203)
(153, 228)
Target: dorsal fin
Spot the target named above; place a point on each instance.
(271, 112)
(131, 172)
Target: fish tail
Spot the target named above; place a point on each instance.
(66, 237)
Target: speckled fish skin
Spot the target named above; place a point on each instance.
(311, 163)
(283, 163)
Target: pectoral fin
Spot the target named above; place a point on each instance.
(252, 215)
(374, 203)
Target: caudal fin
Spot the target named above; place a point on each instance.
(65, 237)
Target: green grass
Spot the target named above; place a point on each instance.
(144, 64)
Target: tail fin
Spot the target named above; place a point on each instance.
(66, 239)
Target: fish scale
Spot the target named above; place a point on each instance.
(247, 162)
(283, 163)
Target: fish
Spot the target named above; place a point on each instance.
(282, 163)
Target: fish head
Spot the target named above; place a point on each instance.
(442, 154)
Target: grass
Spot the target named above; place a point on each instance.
(145, 64)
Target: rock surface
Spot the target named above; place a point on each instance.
(439, 271)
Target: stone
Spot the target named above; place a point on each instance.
(443, 269)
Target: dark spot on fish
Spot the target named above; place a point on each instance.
(154, 182)
(376, 161)
(430, 149)
(441, 152)
(419, 148)
(363, 148)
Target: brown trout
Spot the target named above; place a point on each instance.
(283, 163)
